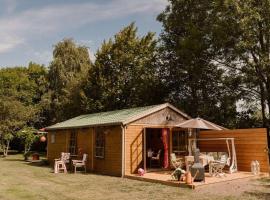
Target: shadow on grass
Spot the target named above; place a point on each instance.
(10, 152)
(260, 194)
(41, 163)
(12, 159)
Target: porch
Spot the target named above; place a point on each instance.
(164, 177)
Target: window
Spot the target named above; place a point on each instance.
(73, 143)
(100, 143)
(180, 142)
(53, 138)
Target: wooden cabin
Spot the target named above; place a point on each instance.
(116, 141)
(119, 142)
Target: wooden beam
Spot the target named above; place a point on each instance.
(144, 149)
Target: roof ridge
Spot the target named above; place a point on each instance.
(121, 109)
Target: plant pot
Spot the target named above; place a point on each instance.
(178, 176)
(35, 156)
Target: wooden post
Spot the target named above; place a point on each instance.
(93, 138)
(144, 149)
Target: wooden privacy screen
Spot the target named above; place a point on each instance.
(250, 144)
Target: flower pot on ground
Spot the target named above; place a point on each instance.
(35, 156)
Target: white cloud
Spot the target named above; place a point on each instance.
(19, 27)
(42, 57)
(8, 42)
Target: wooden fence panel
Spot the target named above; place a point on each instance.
(250, 144)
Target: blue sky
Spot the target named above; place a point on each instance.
(30, 28)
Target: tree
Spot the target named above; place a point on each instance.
(21, 93)
(248, 55)
(69, 67)
(193, 80)
(13, 115)
(28, 137)
(124, 73)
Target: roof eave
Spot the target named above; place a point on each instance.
(83, 126)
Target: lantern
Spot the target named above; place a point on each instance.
(42, 138)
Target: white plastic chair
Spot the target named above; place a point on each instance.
(80, 163)
(60, 164)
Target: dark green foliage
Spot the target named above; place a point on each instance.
(194, 81)
(68, 69)
(28, 136)
(22, 92)
(248, 54)
(124, 74)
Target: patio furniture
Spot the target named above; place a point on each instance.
(205, 159)
(232, 161)
(177, 174)
(189, 160)
(176, 162)
(197, 169)
(155, 159)
(216, 167)
(60, 164)
(198, 124)
(80, 163)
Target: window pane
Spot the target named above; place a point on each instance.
(179, 141)
(73, 142)
(100, 143)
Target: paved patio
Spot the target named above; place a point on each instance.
(164, 177)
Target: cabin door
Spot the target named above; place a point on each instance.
(156, 149)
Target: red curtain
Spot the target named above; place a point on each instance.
(165, 140)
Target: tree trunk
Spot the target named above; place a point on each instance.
(262, 94)
(5, 149)
(268, 100)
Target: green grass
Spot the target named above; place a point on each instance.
(22, 180)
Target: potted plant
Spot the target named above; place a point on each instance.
(178, 173)
(35, 156)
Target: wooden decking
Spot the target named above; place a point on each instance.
(164, 177)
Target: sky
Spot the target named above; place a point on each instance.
(30, 28)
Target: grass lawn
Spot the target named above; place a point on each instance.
(21, 180)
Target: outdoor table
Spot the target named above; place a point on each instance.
(205, 159)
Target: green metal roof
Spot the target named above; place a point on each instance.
(116, 117)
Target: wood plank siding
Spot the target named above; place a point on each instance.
(60, 145)
(250, 144)
(110, 164)
(164, 117)
(133, 148)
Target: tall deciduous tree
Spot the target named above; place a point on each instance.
(249, 54)
(194, 81)
(124, 73)
(69, 67)
(21, 91)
